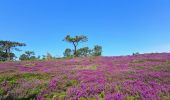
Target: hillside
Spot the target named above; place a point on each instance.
(144, 76)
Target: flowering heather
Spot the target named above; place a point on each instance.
(139, 77)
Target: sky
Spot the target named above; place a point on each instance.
(121, 27)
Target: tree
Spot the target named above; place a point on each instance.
(49, 56)
(28, 55)
(24, 57)
(75, 41)
(3, 56)
(44, 57)
(97, 51)
(67, 52)
(84, 52)
(136, 53)
(8, 46)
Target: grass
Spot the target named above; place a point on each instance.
(12, 78)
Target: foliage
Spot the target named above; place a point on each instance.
(75, 41)
(28, 55)
(97, 51)
(84, 52)
(136, 53)
(8, 46)
(4, 56)
(49, 56)
(68, 53)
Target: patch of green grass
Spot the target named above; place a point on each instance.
(1, 92)
(164, 96)
(138, 61)
(147, 60)
(118, 88)
(139, 67)
(12, 78)
(132, 98)
(31, 76)
(131, 72)
(36, 90)
(164, 67)
(61, 96)
(71, 83)
(66, 84)
(101, 95)
(92, 67)
(82, 98)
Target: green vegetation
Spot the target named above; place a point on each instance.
(6, 48)
(82, 52)
(68, 53)
(28, 55)
(97, 51)
(12, 78)
(75, 41)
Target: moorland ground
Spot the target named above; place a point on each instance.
(94, 78)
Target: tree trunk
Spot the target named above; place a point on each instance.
(9, 56)
(75, 49)
(7, 52)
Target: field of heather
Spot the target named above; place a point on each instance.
(145, 77)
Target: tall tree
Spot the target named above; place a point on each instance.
(8, 46)
(75, 41)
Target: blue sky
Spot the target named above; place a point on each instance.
(120, 26)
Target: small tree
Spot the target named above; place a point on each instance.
(44, 57)
(97, 51)
(67, 53)
(84, 52)
(136, 53)
(28, 55)
(75, 41)
(49, 56)
(24, 57)
(8, 46)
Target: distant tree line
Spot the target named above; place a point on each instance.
(7, 49)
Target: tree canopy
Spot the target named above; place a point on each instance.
(97, 51)
(8, 46)
(75, 41)
(28, 55)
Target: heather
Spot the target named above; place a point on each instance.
(138, 77)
